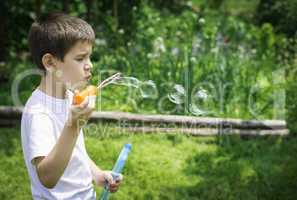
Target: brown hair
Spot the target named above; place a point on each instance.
(56, 33)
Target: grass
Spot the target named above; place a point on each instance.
(176, 167)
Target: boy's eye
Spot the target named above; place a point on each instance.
(79, 59)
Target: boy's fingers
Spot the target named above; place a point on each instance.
(116, 183)
(113, 186)
(119, 178)
(82, 108)
(113, 189)
(109, 178)
(85, 103)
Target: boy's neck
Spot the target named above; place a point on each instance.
(52, 88)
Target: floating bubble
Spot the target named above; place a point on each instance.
(202, 94)
(177, 96)
(127, 81)
(195, 110)
(148, 89)
(202, 103)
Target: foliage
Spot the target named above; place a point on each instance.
(280, 13)
(189, 43)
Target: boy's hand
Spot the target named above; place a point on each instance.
(80, 114)
(105, 177)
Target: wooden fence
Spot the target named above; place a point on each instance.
(197, 126)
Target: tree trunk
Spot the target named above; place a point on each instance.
(115, 11)
(65, 6)
(89, 4)
(3, 32)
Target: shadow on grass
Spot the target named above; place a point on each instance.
(9, 139)
(258, 168)
(14, 181)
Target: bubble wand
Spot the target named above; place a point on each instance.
(92, 90)
(117, 168)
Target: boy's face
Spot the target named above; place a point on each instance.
(75, 69)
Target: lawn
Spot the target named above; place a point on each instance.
(173, 166)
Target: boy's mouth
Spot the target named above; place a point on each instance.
(88, 77)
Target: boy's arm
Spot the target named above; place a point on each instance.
(96, 171)
(51, 167)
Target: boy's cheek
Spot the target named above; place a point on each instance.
(79, 85)
(74, 77)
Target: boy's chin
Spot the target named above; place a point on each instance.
(79, 86)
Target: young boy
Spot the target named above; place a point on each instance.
(52, 139)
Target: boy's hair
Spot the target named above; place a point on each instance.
(57, 33)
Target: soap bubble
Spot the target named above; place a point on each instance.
(177, 95)
(127, 81)
(148, 89)
(202, 102)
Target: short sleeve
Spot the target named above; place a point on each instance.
(41, 137)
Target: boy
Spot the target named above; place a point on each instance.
(52, 139)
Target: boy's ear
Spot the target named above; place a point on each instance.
(49, 62)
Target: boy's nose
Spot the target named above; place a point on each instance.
(88, 66)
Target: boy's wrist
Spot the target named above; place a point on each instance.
(101, 178)
(98, 178)
(73, 125)
(76, 122)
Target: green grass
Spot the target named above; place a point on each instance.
(176, 167)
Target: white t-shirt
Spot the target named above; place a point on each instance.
(42, 122)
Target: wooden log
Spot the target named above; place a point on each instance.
(11, 112)
(188, 121)
(165, 120)
(9, 123)
(206, 131)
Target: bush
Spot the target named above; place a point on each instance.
(291, 98)
(228, 57)
(280, 13)
(224, 57)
